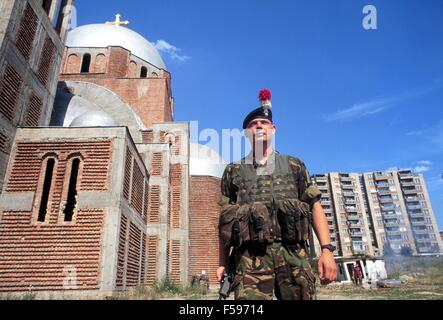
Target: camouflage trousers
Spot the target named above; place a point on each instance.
(273, 269)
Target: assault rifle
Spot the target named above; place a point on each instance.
(227, 282)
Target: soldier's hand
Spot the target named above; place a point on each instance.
(220, 272)
(327, 269)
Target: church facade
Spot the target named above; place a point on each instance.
(105, 192)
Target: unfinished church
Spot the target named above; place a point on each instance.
(101, 189)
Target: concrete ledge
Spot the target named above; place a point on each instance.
(92, 200)
(18, 201)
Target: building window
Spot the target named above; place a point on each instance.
(47, 5)
(86, 63)
(144, 72)
(46, 189)
(71, 202)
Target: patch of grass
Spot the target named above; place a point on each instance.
(164, 289)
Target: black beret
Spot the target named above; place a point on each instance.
(259, 113)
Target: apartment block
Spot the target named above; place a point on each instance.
(376, 211)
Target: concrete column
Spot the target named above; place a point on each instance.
(67, 14)
(53, 11)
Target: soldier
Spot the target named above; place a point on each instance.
(273, 202)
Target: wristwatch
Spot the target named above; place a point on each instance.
(329, 246)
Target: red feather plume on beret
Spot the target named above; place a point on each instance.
(264, 95)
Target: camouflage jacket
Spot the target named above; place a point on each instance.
(283, 182)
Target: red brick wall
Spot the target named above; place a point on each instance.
(27, 165)
(4, 142)
(131, 256)
(133, 276)
(46, 61)
(127, 178)
(100, 63)
(73, 64)
(9, 92)
(203, 226)
(174, 261)
(154, 205)
(132, 70)
(147, 97)
(40, 255)
(121, 256)
(137, 192)
(152, 253)
(118, 62)
(26, 33)
(34, 110)
(157, 164)
(175, 192)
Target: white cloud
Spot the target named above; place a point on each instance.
(420, 169)
(415, 133)
(424, 162)
(363, 109)
(172, 51)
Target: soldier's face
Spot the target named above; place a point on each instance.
(260, 130)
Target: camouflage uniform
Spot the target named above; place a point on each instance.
(273, 260)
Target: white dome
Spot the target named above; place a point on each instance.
(205, 162)
(94, 119)
(105, 35)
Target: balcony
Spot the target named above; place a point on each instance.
(385, 200)
(355, 225)
(408, 184)
(346, 179)
(390, 216)
(325, 203)
(419, 223)
(392, 224)
(393, 232)
(419, 215)
(422, 240)
(410, 191)
(414, 207)
(411, 199)
(359, 233)
(384, 192)
(382, 176)
(382, 185)
(425, 231)
(387, 208)
(320, 179)
(404, 176)
(359, 251)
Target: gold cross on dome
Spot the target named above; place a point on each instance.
(117, 21)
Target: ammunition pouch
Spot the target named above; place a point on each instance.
(260, 224)
(234, 225)
(294, 217)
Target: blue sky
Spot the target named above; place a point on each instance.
(345, 98)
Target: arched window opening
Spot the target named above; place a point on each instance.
(144, 72)
(46, 190)
(86, 63)
(71, 202)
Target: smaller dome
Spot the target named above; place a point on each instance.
(94, 119)
(205, 162)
